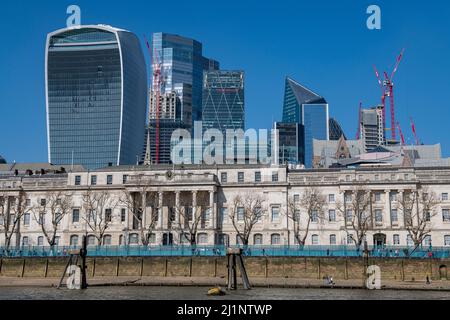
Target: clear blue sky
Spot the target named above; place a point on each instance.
(322, 44)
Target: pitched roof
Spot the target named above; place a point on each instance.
(303, 94)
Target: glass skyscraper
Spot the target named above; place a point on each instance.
(183, 63)
(309, 109)
(96, 92)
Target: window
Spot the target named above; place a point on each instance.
(107, 240)
(123, 215)
(258, 213)
(76, 215)
(74, 241)
(444, 196)
(396, 239)
(202, 238)
(238, 240)
(349, 215)
(446, 215)
(427, 241)
(91, 240)
(333, 239)
(348, 198)
(25, 241)
(314, 216)
(108, 215)
(57, 241)
(224, 239)
(332, 215)
(223, 177)
(41, 218)
(134, 239)
(240, 214)
(315, 239)
(257, 176)
(121, 240)
(377, 196)
(350, 239)
(26, 219)
(223, 215)
(447, 240)
(393, 196)
(275, 239)
(40, 241)
(240, 177)
(124, 179)
(258, 239)
(93, 180)
(275, 177)
(275, 213)
(77, 180)
(109, 179)
(331, 198)
(152, 239)
(394, 215)
(43, 202)
(409, 241)
(347, 178)
(427, 216)
(296, 198)
(378, 216)
(28, 203)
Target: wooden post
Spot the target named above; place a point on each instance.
(46, 268)
(23, 268)
(142, 266)
(117, 267)
(83, 254)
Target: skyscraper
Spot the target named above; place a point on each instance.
(96, 93)
(336, 131)
(289, 137)
(223, 100)
(182, 62)
(309, 109)
(372, 129)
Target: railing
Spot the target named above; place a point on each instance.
(218, 250)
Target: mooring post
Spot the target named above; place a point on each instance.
(83, 254)
(232, 256)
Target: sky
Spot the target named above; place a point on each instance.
(323, 44)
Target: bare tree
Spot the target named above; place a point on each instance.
(418, 208)
(302, 212)
(190, 217)
(98, 212)
(133, 201)
(56, 204)
(12, 209)
(358, 220)
(246, 211)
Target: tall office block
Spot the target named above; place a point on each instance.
(315, 125)
(372, 129)
(182, 62)
(290, 136)
(96, 94)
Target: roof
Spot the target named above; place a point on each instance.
(2, 160)
(36, 166)
(303, 94)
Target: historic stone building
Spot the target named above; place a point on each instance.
(108, 204)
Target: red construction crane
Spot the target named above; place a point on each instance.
(413, 127)
(157, 82)
(383, 96)
(388, 86)
(401, 134)
(358, 131)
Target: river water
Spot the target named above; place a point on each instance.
(199, 293)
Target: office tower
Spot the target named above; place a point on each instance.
(182, 62)
(223, 100)
(336, 131)
(372, 129)
(307, 108)
(96, 84)
(289, 137)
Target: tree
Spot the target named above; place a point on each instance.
(98, 212)
(418, 208)
(133, 201)
(12, 209)
(246, 211)
(307, 209)
(58, 205)
(190, 218)
(357, 219)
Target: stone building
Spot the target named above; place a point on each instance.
(174, 196)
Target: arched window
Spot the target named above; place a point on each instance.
(258, 239)
(202, 238)
(427, 240)
(152, 239)
(74, 241)
(238, 240)
(447, 240)
(185, 238)
(396, 239)
(315, 240)
(91, 240)
(333, 239)
(134, 239)
(409, 240)
(25, 241)
(40, 241)
(224, 239)
(121, 240)
(107, 240)
(275, 239)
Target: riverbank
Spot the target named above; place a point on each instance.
(220, 281)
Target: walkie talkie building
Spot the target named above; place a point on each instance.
(96, 92)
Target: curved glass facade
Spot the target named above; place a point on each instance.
(88, 123)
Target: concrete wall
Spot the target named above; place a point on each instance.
(271, 267)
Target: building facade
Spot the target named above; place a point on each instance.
(96, 97)
(211, 193)
(372, 128)
(289, 137)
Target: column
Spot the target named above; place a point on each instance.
(194, 206)
(213, 208)
(400, 195)
(177, 207)
(144, 209)
(160, 209)
(387, 205)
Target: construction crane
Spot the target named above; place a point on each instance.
(387, 86)
(383, 96)
(401, 134)
(358, 131)
(413, 128)
(156, 86)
